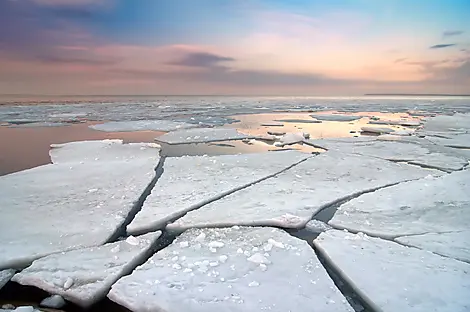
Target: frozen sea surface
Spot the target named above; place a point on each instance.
(142, 125)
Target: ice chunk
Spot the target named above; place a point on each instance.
(38, 125)
(50, 208)
(335, 117)
(21, 309)
(299, 121)
(293, 197)
(142, 125)
(292, 138)
(84, 276)
(5, 277)
(433, 204)
(189, 182)
(378, 130)
(234, 285)
(317, 226)
(54, 302)
(406, 123)
(395, 278)
(202, 135)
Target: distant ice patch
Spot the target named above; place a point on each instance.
(142, 125)
(201, 135)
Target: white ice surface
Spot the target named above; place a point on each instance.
(232, 269)
(392, 278)
(91, 270)
(201, 135)
(457, 122)
(433, 204)
(21, 309)
(39, 125)
(188, 182)
(293, 197)
(292, 138)
(450, 244)
(456, 141)
(317, 226)
(5, 277)
(54, 302)
(142, 125)
(69, 205)
(335, 117)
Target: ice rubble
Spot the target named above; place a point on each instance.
(391, 277)
(5, 277)
(142, 125)
(292, 138)
(317, 226)
(232, 269)
(189, 182)
(433, 204)
(21, 309)
(71, 204)
(293, 197)
(335, 117)
(201, 135)
(84, 276)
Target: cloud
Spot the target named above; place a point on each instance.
(202, 59)
(451, 33)
(64, 60)
(400, 60)
(442, 46)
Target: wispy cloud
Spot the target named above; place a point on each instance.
(202, 59)
(400, 60)
(442, 46)
(451, 33)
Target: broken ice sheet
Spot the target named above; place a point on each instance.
(293, 197)
(5, 277)
(232, 269)
(142, 125)
(70, 205)
(391, 277)
(84, 276)
(201, 135)
(189, 182)
(432, 204)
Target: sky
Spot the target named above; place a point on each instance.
(234, 47)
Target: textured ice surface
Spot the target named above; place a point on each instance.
(293, 197)
(317, 226)
(379, 130)
(456, 141)
(450, 244)
(391, 277)
(335, 117)
(21, 309)
(142, 125)
(5, 277)
(84, 276)
(292, 138)
(433, 204)
(232, 269)
(54, 301)
(201, 135)
(299, 120)
(408, 123)
(188, 182)
(457, 122)
(72, 204)
(38, 124)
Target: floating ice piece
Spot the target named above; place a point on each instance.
(54, 302)
(21, 309)
(406, 123)
(334, 142)
(70, 205)
(5, 277)
(272, 124)
(237, 284)
(293, 197)
(317, 226)
(457, 122)
(335, 117)
(190, 182)
(433, 204)
(201, 135)
(457, 141)
(276, 133)
(38, 125)
(142, 125)
(450, 244)
(378, 130)
(292, 138)
(390, 277)
(92, 270)
(299, 121)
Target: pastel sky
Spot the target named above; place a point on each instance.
(263, 47)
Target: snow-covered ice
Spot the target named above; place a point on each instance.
(201, 135)
(5, 277)
(432, 204)
(391, 277)
(317, 226)
(231, 269)
(293, 197)
(189, 182)
(142, 125)
(71, 204)
(455, 123)
(335, 117)
(84, 276)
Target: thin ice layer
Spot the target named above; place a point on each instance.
(335, 117)
(189, 182)
(5, 277)
(391, 277)
(433, 204)
(66, 206)
(232, 269)
(450, 244)
(293, 197)
(84, 276)
(201, 135)
(142, 125)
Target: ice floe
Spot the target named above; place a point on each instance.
(201, 135)
(292, 138)
(142, 125)
(70, 205)
(38, 125)
(391, 277)
(291, 198)
(433, 204)
(378, 130)
(299, 121)
(232, 269)
(455, 123)
(84, 276)
(5, 277)
(317, 226)
(406, 123)
(53, 302)
(21, 309)
(190, 182)
(335, 117)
